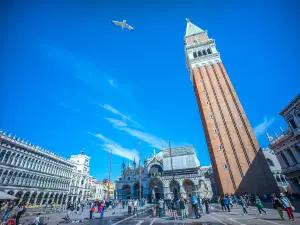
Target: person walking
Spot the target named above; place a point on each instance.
(259, 205)
(277, 205)
(288, 206)
(243, 204)
(182, 208)
(226, 201)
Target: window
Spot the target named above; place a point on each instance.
(220, 147)
(225, 167)
(270, 162)
(206, 102)
(293, 124)
(292, 156)
(216, 131)
(209, 51)
(194, 54)
(199, 53)
(284, 159)
(204, 52)
(211, 116)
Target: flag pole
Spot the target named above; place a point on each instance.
(140, 172)
(110, 162)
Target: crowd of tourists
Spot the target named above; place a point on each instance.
(283, 202)
(104, 205)
(11, 213)
(182, 207)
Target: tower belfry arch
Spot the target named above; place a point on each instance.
(235, 154)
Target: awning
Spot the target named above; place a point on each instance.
(4, 196)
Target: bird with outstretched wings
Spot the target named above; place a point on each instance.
(123, 24)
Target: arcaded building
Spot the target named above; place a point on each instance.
(237, 160)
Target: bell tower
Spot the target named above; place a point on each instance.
(236, 157)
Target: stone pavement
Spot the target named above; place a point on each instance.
(146, 217)
(76, 217)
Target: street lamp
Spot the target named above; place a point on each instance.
(174, 189)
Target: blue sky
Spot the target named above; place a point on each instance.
(72, 80)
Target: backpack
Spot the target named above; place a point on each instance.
(194, 200)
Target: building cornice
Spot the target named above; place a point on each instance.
(32, 148)
(290, 105)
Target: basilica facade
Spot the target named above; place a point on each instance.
(175, 170)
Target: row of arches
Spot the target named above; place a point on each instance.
(38, 198)
(202, 52)
(10, 177)
(34, 162)
(156, 189)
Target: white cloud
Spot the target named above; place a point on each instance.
(116, 112)
(262, 127)
(152, 140)
(109, 145)
(112, 83)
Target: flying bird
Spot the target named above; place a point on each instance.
(123, 24)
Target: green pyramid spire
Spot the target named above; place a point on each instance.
(191, 29)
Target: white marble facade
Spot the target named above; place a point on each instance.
(38, 176)
(157, 178)
(286, 145)
(276, 170)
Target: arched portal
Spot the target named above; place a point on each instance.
(137, 189)
(33, 197)
(126, 192)
(156, 189)
(174, 188)
(189, 188)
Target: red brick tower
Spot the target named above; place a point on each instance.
(236, 157)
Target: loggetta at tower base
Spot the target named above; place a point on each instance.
(236, 157)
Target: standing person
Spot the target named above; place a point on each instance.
(226, 201)
(243, 204)
(182, 208)
(278, 206)
(287, 205)
(101, 209)
(92, 210)
(135, 205)
(174, 209)
(129, 207)
(7, 210)
(195, 206)
(259, 205)
(20, 211)
(169, 208)
(160, 207)
(206, 201)
(222, 202)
